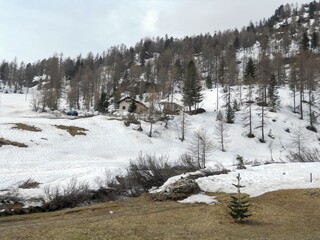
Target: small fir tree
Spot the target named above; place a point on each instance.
(239, 207)
(240, 164)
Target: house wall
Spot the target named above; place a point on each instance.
(141, 108)
(171, 107)
(124, 106)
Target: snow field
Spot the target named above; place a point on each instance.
(54, 157)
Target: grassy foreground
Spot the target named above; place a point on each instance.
(285, 214)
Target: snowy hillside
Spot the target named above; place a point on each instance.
(53, 157)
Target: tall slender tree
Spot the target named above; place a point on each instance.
(249, 79)
(273, 95)
(191, 90)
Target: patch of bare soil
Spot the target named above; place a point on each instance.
(286, 214)
(8, 142)
(26, 127)
(73, 130)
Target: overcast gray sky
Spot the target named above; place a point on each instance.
(35, 29)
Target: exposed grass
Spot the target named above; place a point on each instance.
(73, 130)
(8, 142)
(26, 127)
(287, 214)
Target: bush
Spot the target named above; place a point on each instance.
(186, 163)
(70, 196)
(149, 171)
(29, 183)
(109, 187)
(306, 155)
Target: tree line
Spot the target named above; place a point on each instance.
(288, 45)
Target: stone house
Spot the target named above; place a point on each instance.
(125, 103)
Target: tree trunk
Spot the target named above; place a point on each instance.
(262, 125)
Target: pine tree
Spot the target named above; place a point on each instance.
(249, 77)
(208, 82)
(133, 106)
(103, 103)
(305, 42)
(229, 114)
(273, 95)
(250, 72)
(239, 207)
(191, 90)
(314, 40)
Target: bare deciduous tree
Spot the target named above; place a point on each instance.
(221, 131)
(200, 146)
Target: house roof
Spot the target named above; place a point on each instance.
(123, 99)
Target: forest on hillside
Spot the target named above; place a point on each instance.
(280, 50)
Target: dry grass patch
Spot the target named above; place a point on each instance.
(26, 127)
(73, 130)
(8, 142)
(287, 214)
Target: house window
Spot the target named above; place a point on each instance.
(123, 107)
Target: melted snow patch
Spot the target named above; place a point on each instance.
(199, 198)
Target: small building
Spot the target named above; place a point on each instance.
(171, 107)
(125, 103)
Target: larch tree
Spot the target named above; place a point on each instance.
(232, 77)
(311, 84)
(293, 85)
(221, 131)
(200, 147)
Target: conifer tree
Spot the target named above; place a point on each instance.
(273, 95)
(249, 77)
(103, 103)
(305, 42)
(208, 82)
(314, 40)
(239, 207)
(133, 106)
(191, 90)
(229, 114)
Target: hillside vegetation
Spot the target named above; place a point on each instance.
(247, 103)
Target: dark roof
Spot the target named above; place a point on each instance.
(122, 99)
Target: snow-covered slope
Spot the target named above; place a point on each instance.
(53, 156)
